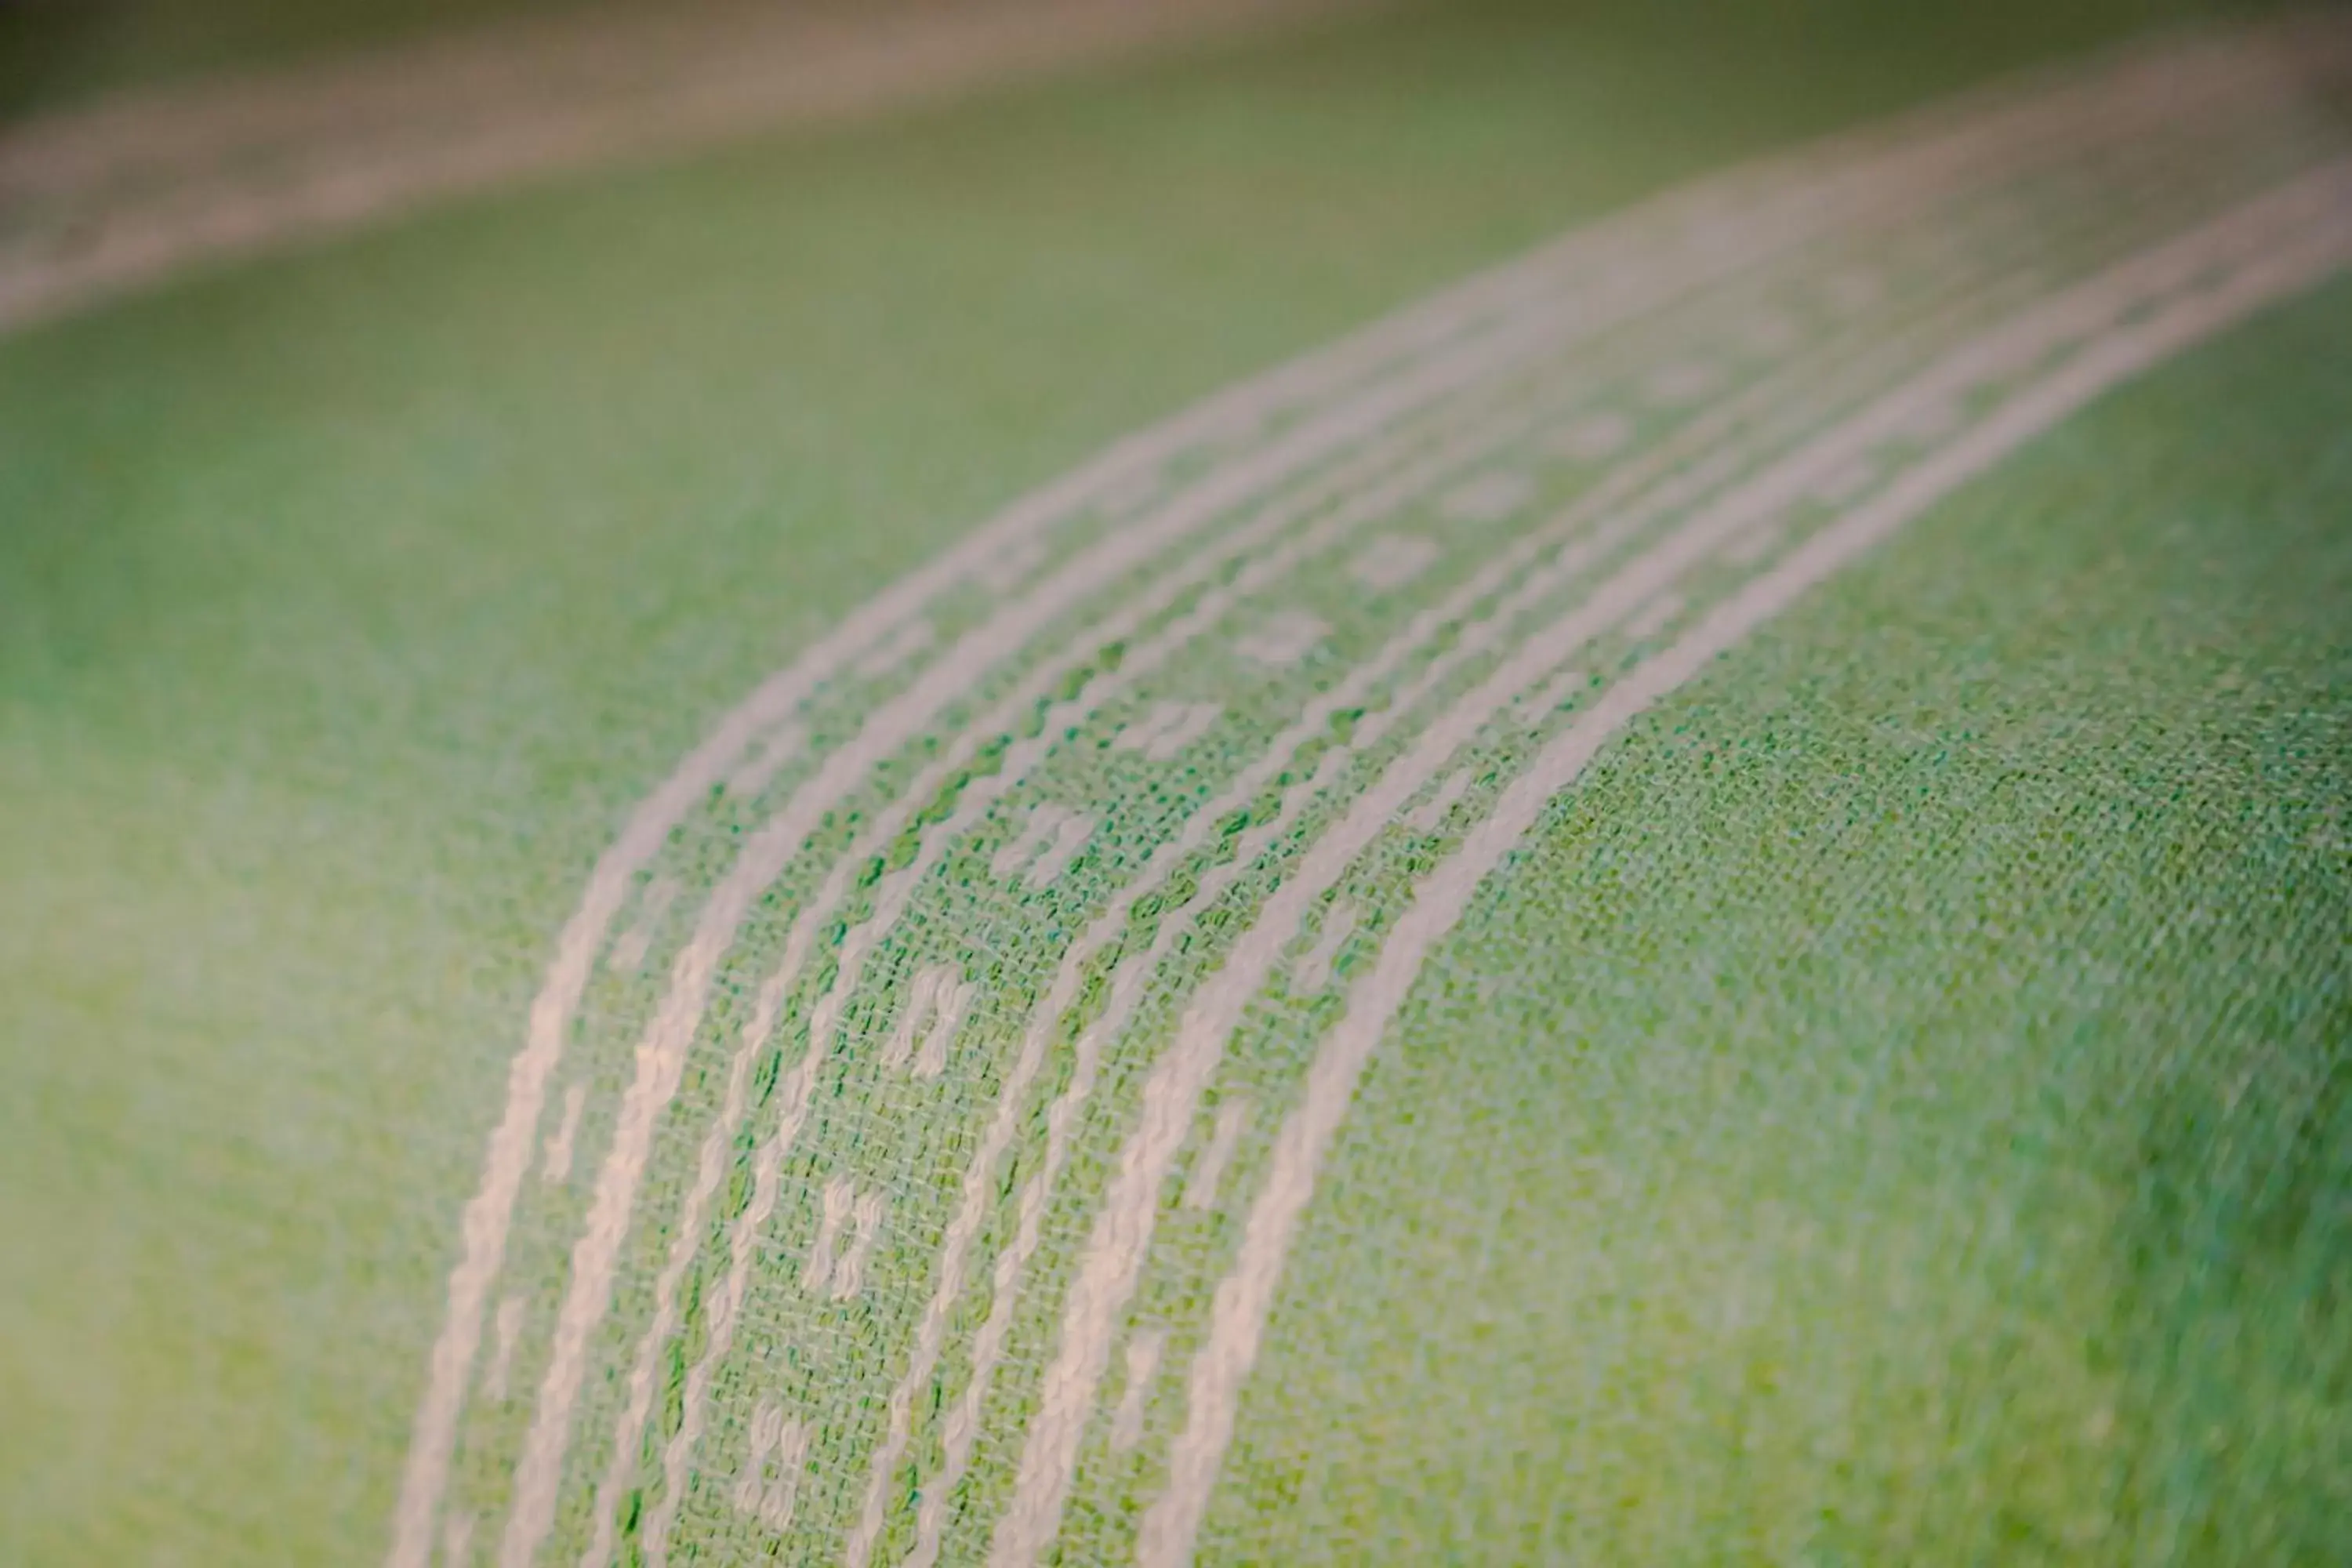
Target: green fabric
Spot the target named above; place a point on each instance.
(54, 53)
(1892, 1109)
(1949, 1010)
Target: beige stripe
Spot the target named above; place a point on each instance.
(1631, 494)
(1637, 286)
(1246, 1296)
(1367, 468)
(1916, 153)
(148, 186)
(962, 1425)
(1628, 498)
(661, 1056)
(1121, 1235)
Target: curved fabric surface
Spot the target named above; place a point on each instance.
(797, 856)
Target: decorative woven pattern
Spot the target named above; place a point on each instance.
(1683, 903)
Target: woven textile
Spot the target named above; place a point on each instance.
(1294, 784)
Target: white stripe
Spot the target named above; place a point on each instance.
(641, 1380)
(1013, 535)
(1142, 1362)
(1359, 510)
(896, 888)
(630, 951)
(1145, 731)
(1489, 498)
(912, 639)
(1164, 733)
(793, 1102)
(1069, 838)
(1600, 436)
(1126, 989)
(1391, 561)
(900, 886)
(162, 182)
(488, 1214)
(1602, 501)
(1173, 726)
(817, 1273)
(767, 1427)
(557, 1168)
(505, 1328)
(491, 1212)
(1170, 744)
(1050, 822)
(1607, 501)
(746, 782)
(1313, 971)
(1891, 163)
(1244, 1299)
(1016, 855)
(1430, 814)
(932, 1059)
(709, 1171)
(849, 1274)
(773, 1434)
(1186, 509)
(662, 1054)
(1751, 547)
(168, 179)
(1536, 708)
(916, 1014)
(1133, 973)
(1684, 381)
(1654, 617)
(1233, 1116)
(1122, 1231)
(1021, 560)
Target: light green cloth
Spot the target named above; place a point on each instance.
(1890, 1107)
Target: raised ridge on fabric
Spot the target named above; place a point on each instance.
(127, 194)
(1023, 944)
